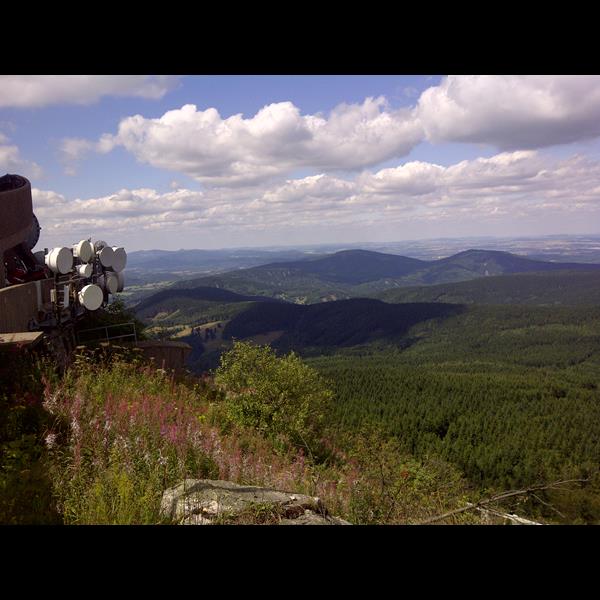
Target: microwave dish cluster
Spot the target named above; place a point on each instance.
(98, 264)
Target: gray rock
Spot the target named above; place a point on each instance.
(311, 518)
(207, 501)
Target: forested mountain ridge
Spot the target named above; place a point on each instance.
(208, 294)
(334, 324)
(360, 273)
(567, 288)
(172, 311)
(208, 260)
(353, 266)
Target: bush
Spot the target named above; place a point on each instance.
(388, 486)
(282, 398)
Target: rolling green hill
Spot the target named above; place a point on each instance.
(171, 307)
(360, 273)
(207, 294)
(496, 383)
(353, 266)
(284, 283)
(334, 324)
(550, 288)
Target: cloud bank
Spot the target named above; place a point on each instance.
(34, 91)
(519, 184)
(504, 112)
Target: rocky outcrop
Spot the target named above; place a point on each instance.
(209, 502)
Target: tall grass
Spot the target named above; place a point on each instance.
(122, 432)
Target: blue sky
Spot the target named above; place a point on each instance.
(38, 131)
(308, 158)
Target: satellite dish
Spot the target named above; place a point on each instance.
(34, 233)
(91, 297)
(84, 251)
(109, 282)
(121, 281)
(60, 260)
(106, 255)
(84, 270)
(119, 259)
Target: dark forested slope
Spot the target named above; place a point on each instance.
(173, 299)
(551, 288)
(334, 324)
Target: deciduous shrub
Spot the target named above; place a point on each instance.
(280, 397)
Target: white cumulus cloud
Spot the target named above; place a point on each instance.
(11, 160)
(512, 111)
(275, 141)
(73, 150)
(509, 112)
(42, 90)
(521, 183)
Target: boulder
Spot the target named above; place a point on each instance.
(208, 502)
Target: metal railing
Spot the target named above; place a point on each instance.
(106, 337)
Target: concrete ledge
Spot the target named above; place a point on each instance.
(20, 340)
(21, 303)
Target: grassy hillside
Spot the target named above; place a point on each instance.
(553, 288)
(100, 443)
(182, 308)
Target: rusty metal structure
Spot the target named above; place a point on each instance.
(44, 295)
(49, 291)
(17, 216)
(52, 287)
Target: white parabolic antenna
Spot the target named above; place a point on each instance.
(60, 260)
(91, 297)
(121, 280)
(84, 251)
(106, 256)
(110, 282)
(119, 259)
(84, 270)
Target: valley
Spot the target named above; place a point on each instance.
(487, 359)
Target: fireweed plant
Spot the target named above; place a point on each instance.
(121, 432)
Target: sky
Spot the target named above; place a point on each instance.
(174, 162)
